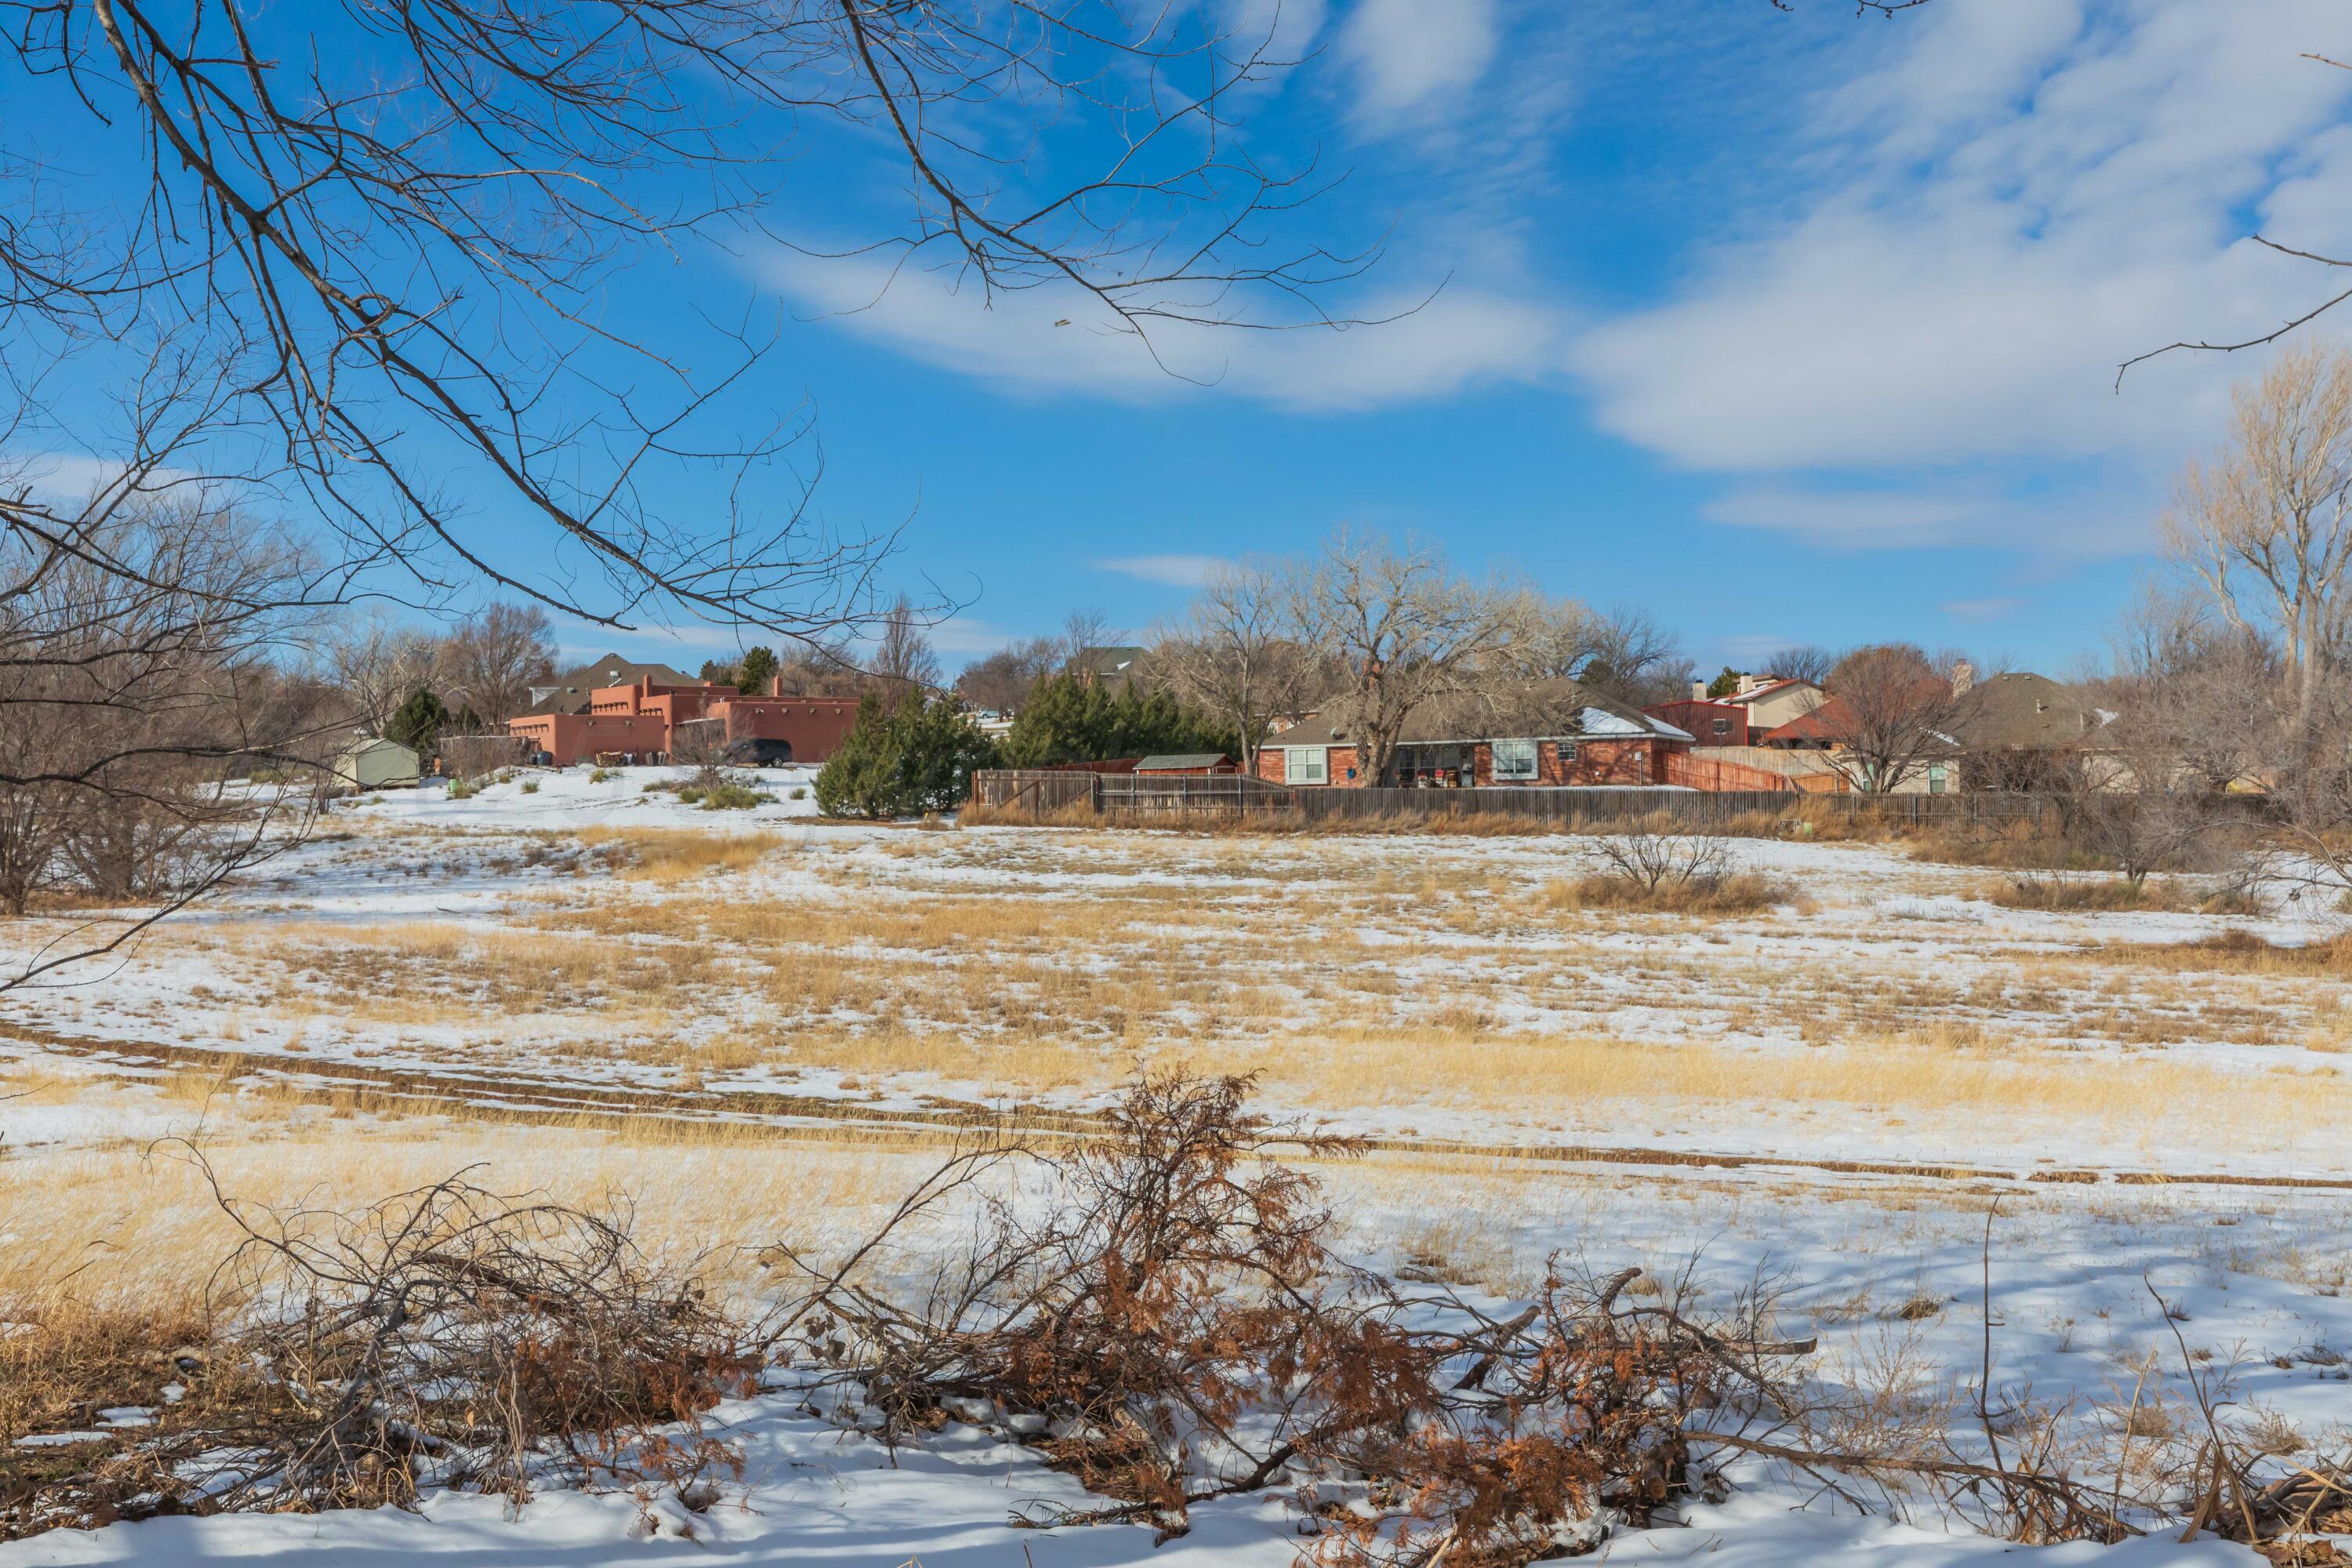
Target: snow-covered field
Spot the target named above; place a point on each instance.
(685, 1006)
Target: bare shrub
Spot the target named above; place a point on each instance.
(2066, 889)
(1662, 865)
(1174, 1326)
(447, 1336)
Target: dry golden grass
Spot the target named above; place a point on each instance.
(1355, 973)
(2239, 952)
(134, 1229)
(1739, 893)
(673, 855)
(2069, 891)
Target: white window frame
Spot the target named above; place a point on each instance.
(1297, 762)
(1526, 766)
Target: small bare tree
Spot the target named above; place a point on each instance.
(134, 697)
(1891, 712)
(375, 662)
(903, 657)
(1234, 653)
(490, 660)
(1407, 629)
(1002, 682)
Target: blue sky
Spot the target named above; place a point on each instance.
(1784, 326)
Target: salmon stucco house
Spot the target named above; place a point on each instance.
(1556, 734)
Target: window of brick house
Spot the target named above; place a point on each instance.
(1515, 760)
(1306, 765)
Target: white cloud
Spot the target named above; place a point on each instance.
(1175, 571)
(1748, 647)
(60, 478)
(961, 634)
(1410, 56)
(2107, 519)
(1059, 341)
(2022, 200)
(1976, 610)
(1281, 31)
(1848, 517)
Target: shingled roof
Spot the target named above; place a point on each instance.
(1546, 709)
(569, 692)
(2024, 711)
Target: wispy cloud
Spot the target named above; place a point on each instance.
(1050, 340)
(1175, 571)
(59, 478)
(1977, 610)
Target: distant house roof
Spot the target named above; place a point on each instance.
(1183, 761)
(1548, 709)
(1757, 694)
(2024, 711)
(1832, 720)
(569, 692)
(1107, 664)
(359, 745)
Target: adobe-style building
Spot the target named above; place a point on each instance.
(1559, 735)
(656, 720)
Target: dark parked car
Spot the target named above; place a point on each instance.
(761, 753)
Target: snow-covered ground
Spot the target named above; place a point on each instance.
(502, 949)
(569, 798)
(814, 1494)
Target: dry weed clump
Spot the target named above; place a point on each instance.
(1172, 1325)
(1739, 893)
(1659, 865)
(447, 1336)
(2033, 888)
(2239, 952)
(673, 855)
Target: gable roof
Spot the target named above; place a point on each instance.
(1114, 662)
(569, 692)
(1831, 721)
(1769, 688)
(2024, 710)
(1176, 760)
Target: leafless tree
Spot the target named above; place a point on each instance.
(490, 661)
(135, 693)
(1002, 682)
(1623, 653)
(903, 657)
(1236, 654)
(392, 226)
(1084, 631)
(1892, 711)
(2266, 528)
(375, 661)
(1407, 629)
(1801, 661)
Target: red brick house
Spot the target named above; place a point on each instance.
(1559, 735)
(1711, 722)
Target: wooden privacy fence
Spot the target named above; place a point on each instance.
(1136, 797)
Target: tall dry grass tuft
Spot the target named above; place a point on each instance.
(1739, 893)
(670, 854)
(134, 1231)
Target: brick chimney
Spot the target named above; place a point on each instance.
(1698, 691)
(1963, 676)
